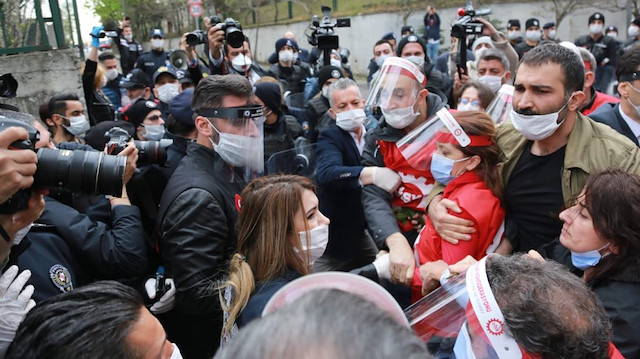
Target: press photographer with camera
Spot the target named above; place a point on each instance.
(65, 248)
(230, 51)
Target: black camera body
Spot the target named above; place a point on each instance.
(106, 33)
(232, 31)
(89, 172)
(466, 25)
(322, 30)
(196, 37)
(149, 152)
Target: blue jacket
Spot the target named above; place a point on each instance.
(609, 114)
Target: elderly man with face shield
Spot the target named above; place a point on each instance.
(399, 93)
(200, 204)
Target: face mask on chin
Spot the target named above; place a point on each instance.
(537, 127)
(587, 259)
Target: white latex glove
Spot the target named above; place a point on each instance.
(382, 266)
(168, 299)
(15, 303)
(386, 179)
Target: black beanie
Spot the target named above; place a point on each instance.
(289, 42)
(136, 113)
(328, 72)
(269, 93)
(407, 39)
(596, 16)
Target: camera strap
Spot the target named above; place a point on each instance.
(4, 234)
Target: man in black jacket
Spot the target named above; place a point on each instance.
(200, 204)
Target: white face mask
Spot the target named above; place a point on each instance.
(241, 63)
(400, 118)
(157, 43)
(128, 37)
(493, 82)
(513, 34)
(614, 35)
(167, 92)
(176, 352)
(235, 149)
(153, 132)
(595, 28)
(533, 35)
(78, 125)
(633, 31)
(552, 34)
(318, 239)
(21, 233)
(325, 91)
(536, 127)
(111, 74)
(285, 56)
(351, 120)
(416, 60)
(335, 62)
(380, 59)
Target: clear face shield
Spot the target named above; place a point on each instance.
(500, 107)
(395, 91)
(238, 138)
(462, 317)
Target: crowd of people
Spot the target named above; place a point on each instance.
(238, 186)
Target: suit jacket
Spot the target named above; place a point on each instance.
(609, 114)
(339, 192)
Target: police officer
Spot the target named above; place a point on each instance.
(150, 61)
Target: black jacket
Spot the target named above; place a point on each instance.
(99, 107)
(66, 249)
(609, 114)
(197, 217)
(280, 135)
(292, 78)
(376, 202)
(316, 117)
(129, 53)
(150, 61)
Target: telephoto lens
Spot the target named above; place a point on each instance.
(153, 152)
(89, 172)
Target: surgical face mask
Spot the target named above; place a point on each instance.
(78, 125)
(441, 168)
(235, 149)
(157, 43)
(167, 92)
(513, 34)
(536, 127)
(153, 132)
(400, 118)
(111, 74)
(176, 353)
(325, 91)
(21, 233)
(533, 35)
(615, 35)
(595, 28)
(317, 242)
(285, 56)
(588, 259)
(493, 82)
(128, 37)
(552, 34)
(380, 59)
(335, 62)
(633, 31)
(350, 120)
(241, 63)
(416, 60)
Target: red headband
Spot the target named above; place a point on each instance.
(404, 67)
(476, 141)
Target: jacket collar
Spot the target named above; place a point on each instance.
(578, 144)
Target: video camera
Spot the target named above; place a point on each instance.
(89, 172)
(149, 152)
(232, 30)
(464, 26)
(111, 34)
(322, 32)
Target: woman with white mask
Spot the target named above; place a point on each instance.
(281, 233)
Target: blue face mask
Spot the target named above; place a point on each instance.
(441, 168)
(588, 259)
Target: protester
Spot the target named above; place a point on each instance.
(99, 108)
(474, 96)
(112, 88)
(493, 69)
(593, 99)
(281, 233)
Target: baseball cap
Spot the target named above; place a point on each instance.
(135, 78)
(157, 32)
(162, 70)
(180, 107)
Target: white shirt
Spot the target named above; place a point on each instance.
(360, 144)
(633, 125)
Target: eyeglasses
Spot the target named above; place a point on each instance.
(465, 101)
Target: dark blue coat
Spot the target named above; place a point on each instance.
(609, 114)
(339, 192)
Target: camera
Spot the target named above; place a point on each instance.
(197, 37)
(89, 172)
(232, 33)
(103, 34)
(464, 26)
(322, 30)
(149, 152)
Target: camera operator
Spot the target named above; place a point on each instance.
(94, 78)
(292, 76)
(195, 66)
(66, 120)
(65, 249)
(225, 59)
(149, 61)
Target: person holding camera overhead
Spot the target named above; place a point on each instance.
(232, 57)
(292, 76)
(149, 61)
(94, 78)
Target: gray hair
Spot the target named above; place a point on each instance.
(211, 90)
(587, 56)
(342, 84)
(324, 324)
(495, 54)
(549, 310)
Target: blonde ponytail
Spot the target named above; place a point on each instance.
(241, 282)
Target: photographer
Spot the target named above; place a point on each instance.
(232, 60)
(65, 249)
